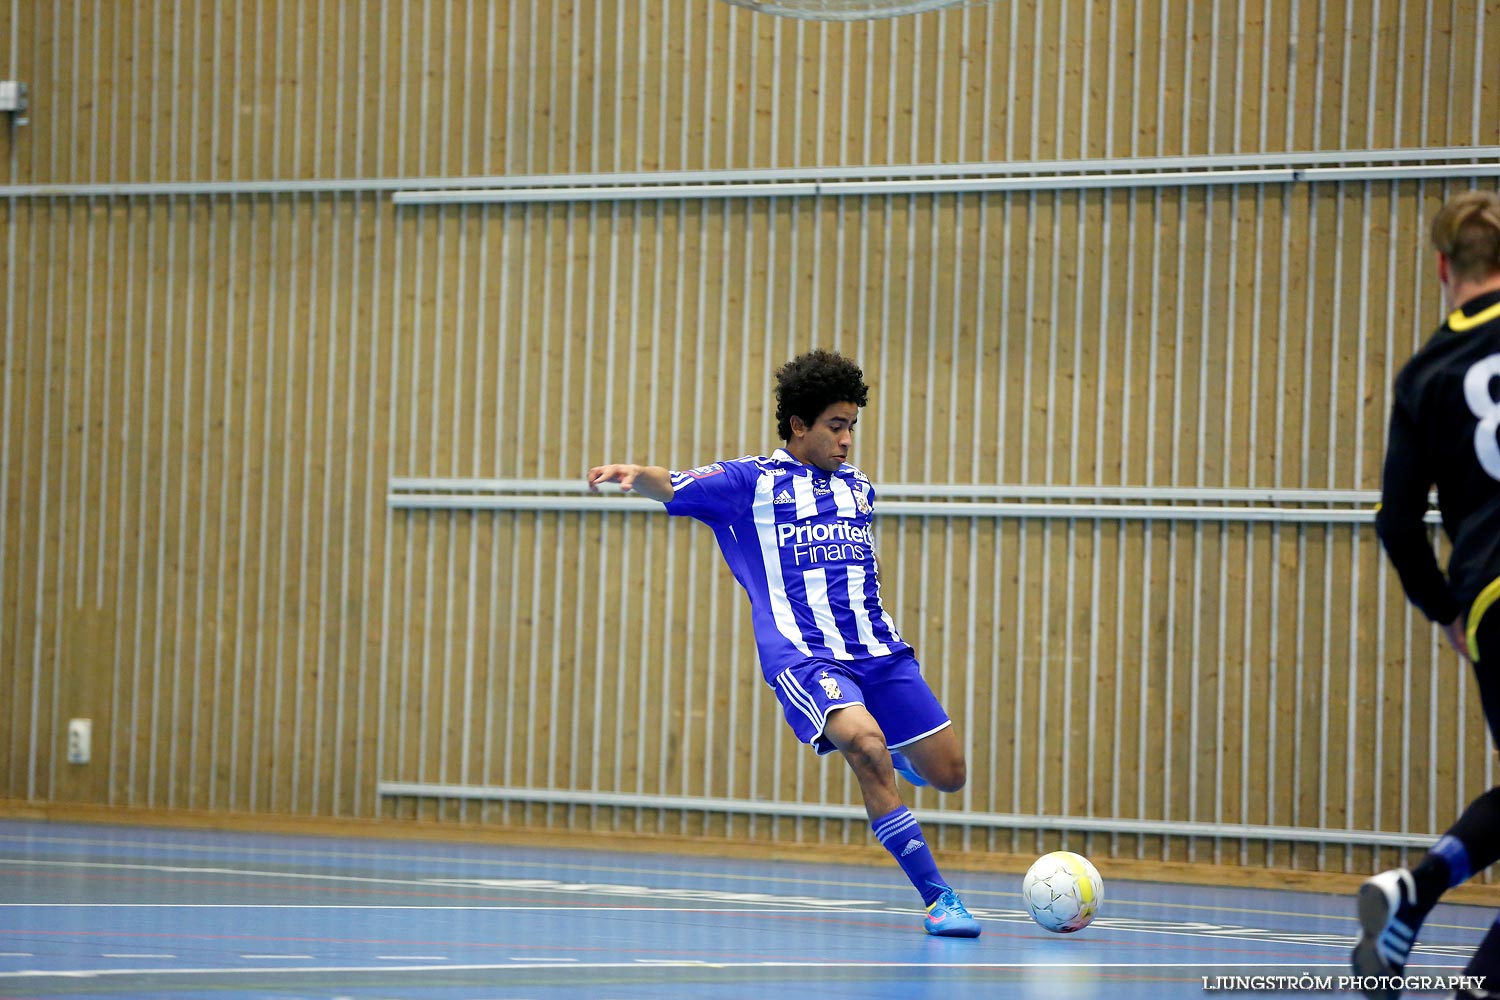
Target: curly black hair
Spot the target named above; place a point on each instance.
(810, 383)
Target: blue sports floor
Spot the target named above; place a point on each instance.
(100, 911)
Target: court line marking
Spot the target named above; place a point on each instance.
(433, 883)
(526, 907)
(1211, 932)
(655, 964)
(519, 885)
(788, 905)
(726, 876)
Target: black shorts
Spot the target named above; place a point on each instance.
(1484, 650)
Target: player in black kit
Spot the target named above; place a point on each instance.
(1445, 430)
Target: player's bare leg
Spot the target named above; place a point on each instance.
(939, 759)
(858, 736)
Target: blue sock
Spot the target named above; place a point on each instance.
(1441, 868)
(899, 832)
(1452, 850)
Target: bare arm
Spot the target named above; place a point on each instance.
(650, 481)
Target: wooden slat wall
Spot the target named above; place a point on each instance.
(250, 89)
(205, 396)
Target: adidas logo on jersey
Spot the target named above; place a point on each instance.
(912, 845)
(785, 496)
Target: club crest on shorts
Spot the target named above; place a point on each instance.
(830, 687)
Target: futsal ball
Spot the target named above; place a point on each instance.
(1063, 891)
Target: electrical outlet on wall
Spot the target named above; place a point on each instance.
(80, 736)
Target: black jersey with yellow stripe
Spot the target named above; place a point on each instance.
(1445, 431)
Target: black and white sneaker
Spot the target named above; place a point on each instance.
(1389, 922)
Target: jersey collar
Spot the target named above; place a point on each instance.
(783, 457)
(1478, 310)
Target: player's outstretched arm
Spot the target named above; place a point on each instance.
(648, 480)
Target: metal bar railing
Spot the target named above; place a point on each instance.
(1260, 168)
(1078, 502)
(999, 821)
(986, 491)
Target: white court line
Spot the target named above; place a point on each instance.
(16, 954)
(1215, 932)
(239, 873)
(526, 908)
(1122, 925)
(280, 854)
(432, 884)
(788, 905)
(636, 964)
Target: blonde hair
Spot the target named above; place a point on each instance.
(1466, 230)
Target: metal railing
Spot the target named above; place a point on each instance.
(1124, 503)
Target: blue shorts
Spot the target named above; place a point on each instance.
(890, 687)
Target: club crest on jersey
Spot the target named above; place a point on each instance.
(861, 504)
(830, 687)
(703, 472)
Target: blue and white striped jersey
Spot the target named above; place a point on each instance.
(798, 540)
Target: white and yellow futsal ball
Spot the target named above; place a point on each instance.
(1062, 891)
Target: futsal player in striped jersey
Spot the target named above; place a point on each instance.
(1445, 430)
(795, 529)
